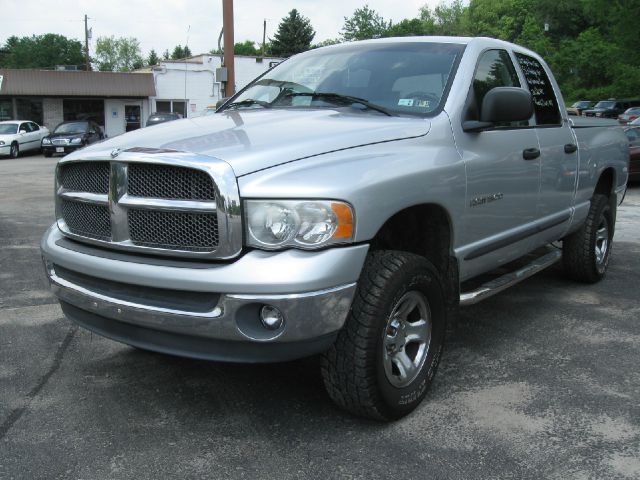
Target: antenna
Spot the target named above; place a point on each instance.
(185, 112)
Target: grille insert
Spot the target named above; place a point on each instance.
(86, 177)
(163, 181)
(87, 220)
(195, 232)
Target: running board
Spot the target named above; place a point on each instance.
(507, 280)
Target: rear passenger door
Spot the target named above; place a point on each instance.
(558, 147)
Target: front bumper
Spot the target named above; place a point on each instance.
(5, 150)
(206, 310)
(65, 148)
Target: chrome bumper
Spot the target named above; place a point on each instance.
(135, 294)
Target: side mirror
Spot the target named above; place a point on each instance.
(22, 132)
(501, 105)
(221, 102)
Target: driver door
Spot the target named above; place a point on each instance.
(503, 175)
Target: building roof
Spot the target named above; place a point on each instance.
(76, 83)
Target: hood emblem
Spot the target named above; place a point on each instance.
(115, 152)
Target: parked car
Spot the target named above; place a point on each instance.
(70, 136)
(156, 118)
(610, 108)
(20, 136)
(629, 115)
(578, 107)
(346, 203)
(633, 134)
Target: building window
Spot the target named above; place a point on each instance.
(172, 106)
(83, 109)
(6, 110)
(29, 109)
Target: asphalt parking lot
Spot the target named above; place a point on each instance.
(541, 381)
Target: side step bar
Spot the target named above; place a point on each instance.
(507, 280)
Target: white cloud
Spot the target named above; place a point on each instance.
(163, 24)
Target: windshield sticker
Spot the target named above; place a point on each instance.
(406, 102)
(424, 103)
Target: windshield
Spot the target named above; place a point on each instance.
(75, 127)
(8, 128)
(400, 78)
(605, 105)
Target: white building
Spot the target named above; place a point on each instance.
(189, 86)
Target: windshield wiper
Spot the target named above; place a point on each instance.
(341, 98)
(248, 102)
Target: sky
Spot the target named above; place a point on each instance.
(163, 24)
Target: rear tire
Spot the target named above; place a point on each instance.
(388, 351)
(586, 252)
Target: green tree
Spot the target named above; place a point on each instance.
(246, 48)
(180, 52)
(152, 59)
(118, 54)
(294, 35)
(41, 51)
(327, 42)
(166, 55)
(365, 23)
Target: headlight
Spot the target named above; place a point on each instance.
(1, 142)
(76, 141)
(46, 141)
(273, 224)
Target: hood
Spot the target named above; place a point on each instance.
(258, 139)
(66, 135)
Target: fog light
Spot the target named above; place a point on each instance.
(271, 317)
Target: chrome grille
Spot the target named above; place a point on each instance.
(60, 141)
(166, 203)
(85, 177)
(86, 219)
(164, 181)
(174, 230)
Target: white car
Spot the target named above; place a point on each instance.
(19, 136)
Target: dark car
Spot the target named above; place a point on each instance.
(70, 136)
(633, 134)
(610, 108)
(578, 107)
(156, 118)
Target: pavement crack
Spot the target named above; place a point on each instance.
(16, 413)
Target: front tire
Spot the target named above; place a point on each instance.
(585, 253)
(388, 351)
(15, 150)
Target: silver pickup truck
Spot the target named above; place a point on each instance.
(346, 203)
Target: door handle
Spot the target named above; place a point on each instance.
(570, 148)
(530, 153)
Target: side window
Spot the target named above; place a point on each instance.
(34, 127)
(494, 69)
(25, 127)
(544, 99)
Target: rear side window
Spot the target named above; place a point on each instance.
(495, 69)
(544, 98)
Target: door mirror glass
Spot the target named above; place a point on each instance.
(23, 131)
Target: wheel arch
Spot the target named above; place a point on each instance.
(425, 230)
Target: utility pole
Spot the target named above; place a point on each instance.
(264, 35)
(229, 61)
(86, 44)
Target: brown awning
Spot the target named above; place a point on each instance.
(76, 83)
